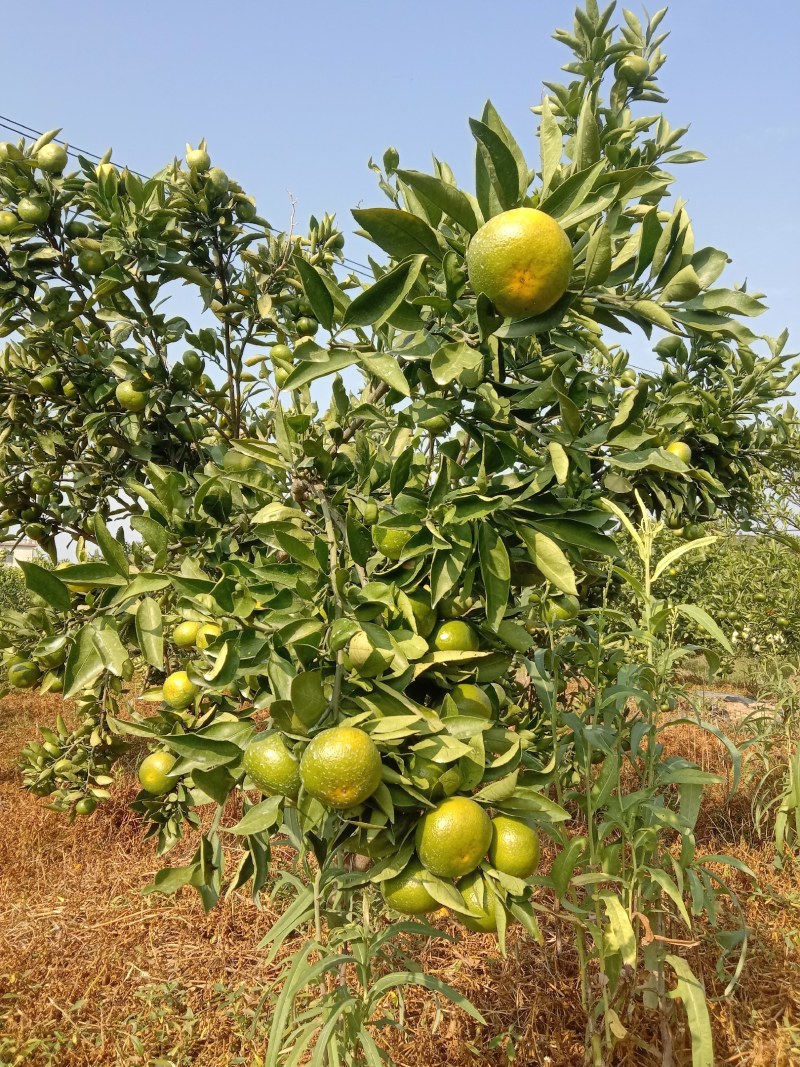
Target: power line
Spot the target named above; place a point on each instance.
(23, 130)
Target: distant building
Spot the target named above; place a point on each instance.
(12, 552)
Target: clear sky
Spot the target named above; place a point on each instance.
(295, 97)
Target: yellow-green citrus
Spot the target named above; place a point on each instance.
(633, 70)
(129, 397)
(452, 839)
(207, 634)
(481, 901)
(390, 541)
(681, 450)
(560, 609)
(86, 806)
(185, 634)
(23, 675)
(455, 636)
(272, 767)
(521, 260)
(424, 614)
(92, 262)
(341, 767)
(33, 209)
(178, 691)
(406, 892)
(366, 659)
(515, 846)
(453, 607)
(154, 772)
(51, 158)
(471, 700)
(197, 159)
(237, 462)
(8, 222)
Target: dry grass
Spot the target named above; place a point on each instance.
(94, 975)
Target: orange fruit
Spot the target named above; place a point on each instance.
(681, 450)
(129, 397)
(633, 70)
(23, 675)
(522, 260)
(272, 767)
(515, 847)
(455, 636)
(406, 892)
(341, 767)
(207, 634)
(51, 158)
(154, 772)
(471, 700)
(452, 839)
(185, 634)
(178, 691)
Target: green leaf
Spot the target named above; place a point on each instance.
(571, 194)
(113, 552)
(619, 934)
(316, 291)
(705, 622)
(375, 305)
(258, 818)
(112, 651)
(598, 257)
(84, 665)
(682, 286)
(399, 233)
(47, 585)
(457, 362)
(549, 558)
(587, 138)
(691, 993)
(492, 119)
(681, 550)
(203, 751)
(577, 533)
(560, 461)
(501, 167)
(495, 572)
(150, 632)
(537, 324)
(308, 371)
(550, 145)
(458, 205)
(387, 369)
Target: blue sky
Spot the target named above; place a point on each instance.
(294, 98)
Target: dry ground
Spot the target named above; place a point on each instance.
(91, 973)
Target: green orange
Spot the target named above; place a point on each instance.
(23, 675)
(452, 839)
(341, 767)
(681, 451)
(633, 70)
(424, 614)
(207, 634)
(154, 773)
(178, 691)
(471, 700)
(369, 659)
(390, 541)
(129, 397)
(51, 158)
(272, 768)
(515, 846)
(455, 636)
(406, 892)
(185, 634)
(522, 260)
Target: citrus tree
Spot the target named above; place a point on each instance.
(357, 616)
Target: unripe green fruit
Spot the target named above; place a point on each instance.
(33, 209)
(52, 158)
(198, 159)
